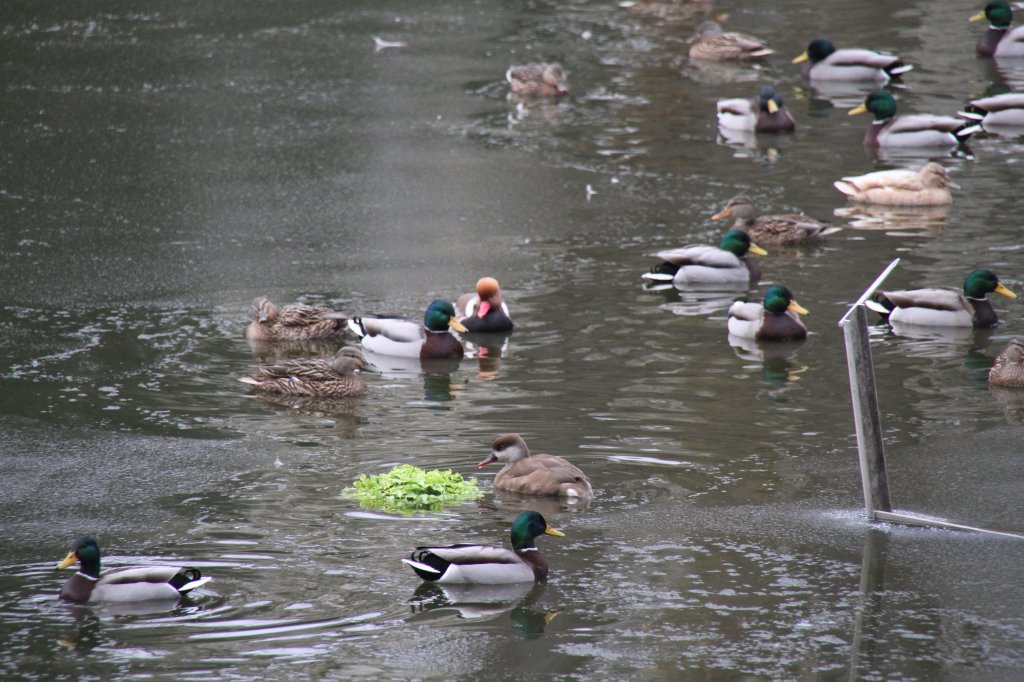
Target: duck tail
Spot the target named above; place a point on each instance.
(966, 131)
(845, 187)
(880, 304)
(898, 68)
(188, 579)
(972, 113)
(355, 325)
(662, 272)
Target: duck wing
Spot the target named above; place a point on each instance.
(937, 299)
(708, 256)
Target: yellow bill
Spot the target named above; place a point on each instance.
(453, 323)
(860, 109)
(70, 560)
(802, 58)
(757, 250)
(551, 531)
(797, 308)
(980, 16)
(1000, 289)
(773, 106)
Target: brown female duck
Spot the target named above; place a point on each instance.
(535, 474)
(714, 44)
(782, 229)
(295, 322)
(1008, 369)
(336, 378)
(537, 80)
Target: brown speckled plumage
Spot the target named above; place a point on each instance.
(294, 322)
(776, 230)
(335, 378)
(537, 80)
(1008, 369)
(712, 43)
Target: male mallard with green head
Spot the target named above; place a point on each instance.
(125, 584)
(726, 263)
(777, 319)
(945, 307)
(766, 114)
(999, 40)
(488, 564)
(335, 378)
(529, 474)
(822, 61)
(912, 130)
(786, 229)
(295, 322)
(397, 337)
(996, 111)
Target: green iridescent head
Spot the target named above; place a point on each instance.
(981, 282)
(440, 317)
(778, 299)
(86, 552)
(880, 103)
(998, 13)
(527, 526)
(738, 242)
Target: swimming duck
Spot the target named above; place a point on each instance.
(999, 40)
(336, 378)
(766, 114)
(488, 564)
(781, 229)
(408, 339)
(928, 186)
(999, 110)
(712, 43)
(945, 307)
(777, 319)
(537, 80)
(1008, 369)
(725, 264)
(130, 583)
(484, 310)
(535, 474)
(295, 322)
(914, 130)
(825, 62)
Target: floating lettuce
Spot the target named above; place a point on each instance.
(407, 488)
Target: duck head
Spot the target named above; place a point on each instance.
(85, 551)
(769, 100)
(817, 50)
(998, 13)
(527, 526)
(263, 310)
(508, 447)
(778, 299)
(981, 282)
(741, 208)
(880, 103)
(349, 359)
(489, 291)
(440, 317)
(738, 242)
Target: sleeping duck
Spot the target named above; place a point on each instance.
(766, 114)
(408, 339)
(999, 40)
(125, 584)
(295, 322)
(535, 474)
(537, 80)
(822, 61)
(783, 229)
(928, 186)
(726, 263)
(777, 319)
(1008, 369)
(714, 44)
(913, 130)
(319, 378)
(484, 310)
(945, 307)
(488, 564)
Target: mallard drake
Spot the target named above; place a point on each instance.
(726, 263)
(336, 378)
(408, 339)
(777, 319)
(782, 229)
(295, 322)
(914, 130)
(1008, 369)
(130, 583)
(484, 310)
(999, 40)
(712, 43)
(822, 61)
(928, 186)
(488, 564)
(945, 307)
(766, 114)
(999, 110)
(537, 80)
(535, 474)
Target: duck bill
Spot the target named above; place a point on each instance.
(773, 107)
(795, 307)
(860, 109)
(70, 560)
(551, 531)
(490, 458)
(980, 16)
(370, 367)
(802, 58)
(757, 250)
(723, 214)
(453, 323)
(483, 308)
(1000, 289)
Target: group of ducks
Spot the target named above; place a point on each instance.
(484, 311)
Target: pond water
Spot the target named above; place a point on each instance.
(164, 164)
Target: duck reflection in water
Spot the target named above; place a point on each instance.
(484, 602)
(778, 368)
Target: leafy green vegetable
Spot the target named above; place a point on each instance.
(407, 488)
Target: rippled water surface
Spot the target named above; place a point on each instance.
(164, 164)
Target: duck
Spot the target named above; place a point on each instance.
(726, 263)
(296, 322)
(928, 186)
(1000, 40)
(529, 474)
(714, 44)
(777, 319)
(537, 80)
(913, 130)
(484, 310)
(766, 114)
(1008, 369)
(822, 61)
(398, 337)
(488, 564)
(781, 230)
(1006, 109)
(317, 378)
(944, 307)
(123, 584)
